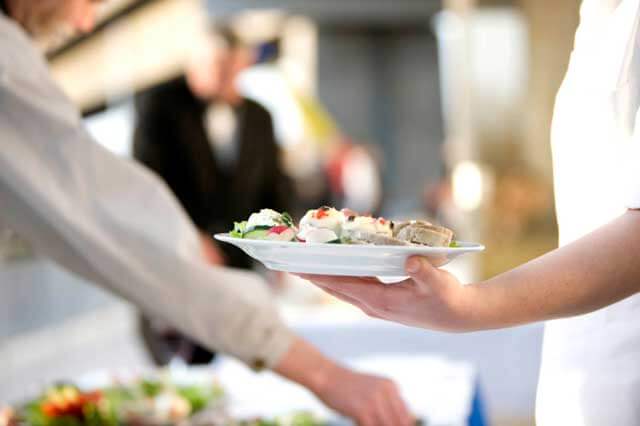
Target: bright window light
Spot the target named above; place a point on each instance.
(468, 185)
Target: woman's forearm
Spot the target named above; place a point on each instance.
(599, 269)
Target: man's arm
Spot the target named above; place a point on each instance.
(110, 221)
(595, 271)
(113, 222)
(90, 211)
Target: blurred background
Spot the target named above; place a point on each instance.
(406, 109)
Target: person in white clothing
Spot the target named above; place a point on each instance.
(90, 211)
(588, 288)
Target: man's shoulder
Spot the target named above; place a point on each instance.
(9, 28)
(25, 74)
(16, 46)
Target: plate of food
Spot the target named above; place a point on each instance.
(160, 399)
(328, 241)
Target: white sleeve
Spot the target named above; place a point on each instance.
(111, 221)
(632, 165)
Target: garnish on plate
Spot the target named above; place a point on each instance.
(266, 224)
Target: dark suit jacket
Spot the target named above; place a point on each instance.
(170, 138)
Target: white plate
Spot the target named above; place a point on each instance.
(344, 259)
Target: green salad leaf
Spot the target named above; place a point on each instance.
(238, 229)
(287, 219)
(299, 419)
(151, 388)
(257, 228)
(198, 397)
(295, 419)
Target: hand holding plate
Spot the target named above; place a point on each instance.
(430, 298)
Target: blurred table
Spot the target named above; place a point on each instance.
(439, 391)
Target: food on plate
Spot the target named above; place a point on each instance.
(267, 224)
(323, 225)
(329, 225)
(368, 230)
(302, 418)
(424, 233)
(153, 401)
(143, 402)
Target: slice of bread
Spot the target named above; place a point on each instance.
(362, 237)
(423, 232)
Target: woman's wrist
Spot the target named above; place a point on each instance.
(500, 302)
(469, 308)
(483, 308)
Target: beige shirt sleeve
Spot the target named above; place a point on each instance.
(113, 222)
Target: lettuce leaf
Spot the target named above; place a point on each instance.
(238, 229)
(287, 219)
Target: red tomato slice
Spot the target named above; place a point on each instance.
(321, 213)
(278, 229)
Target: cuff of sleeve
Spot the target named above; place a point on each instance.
(268, 353)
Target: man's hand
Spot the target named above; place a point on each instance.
(368, 400)
(431, 298)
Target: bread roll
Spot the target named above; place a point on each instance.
(363, 237)
(423, 232)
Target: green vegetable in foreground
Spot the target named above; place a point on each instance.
(238, 229)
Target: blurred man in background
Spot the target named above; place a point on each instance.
(111, 222)
(217, 152)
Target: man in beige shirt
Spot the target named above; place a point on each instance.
(89, 211)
